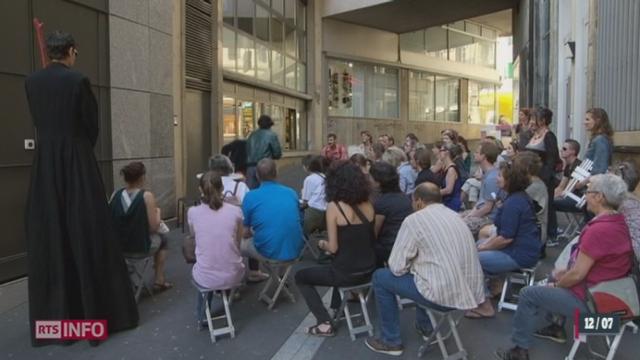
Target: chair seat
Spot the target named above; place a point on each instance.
(522, 278)
(438, 319)
(227, 299)
(344, 292)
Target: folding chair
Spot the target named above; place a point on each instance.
(573, 225)
(612, 342)
(308, 245)
(363, 292)
(402, 302)
(438, 319)
(279, 272)
(514, 282)
(139, 264)
(581, 173)
(227, 298)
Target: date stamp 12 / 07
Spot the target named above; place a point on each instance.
(596, 324)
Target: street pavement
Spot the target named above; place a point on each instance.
(168, 330)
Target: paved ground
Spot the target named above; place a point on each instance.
(167, 330)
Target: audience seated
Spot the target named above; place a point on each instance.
(138, 223)
(451, 187)
(569, 155)
(422, 158)
(333, 150)
(630, 206)
(217, 229)
(603, 253)
(272, 229)
(434, 263)
(515, 242)
(484, 209)
(391, 208)
(537, 190)
(234, 188)
(313, 202)
(350, 218)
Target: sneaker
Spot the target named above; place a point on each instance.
(380, 346)
(425, 334)
(552, 332)
(515, 353)
(553, 242)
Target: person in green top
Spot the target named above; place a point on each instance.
(262, 143)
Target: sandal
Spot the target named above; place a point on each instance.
(157, 288)
(316, 331)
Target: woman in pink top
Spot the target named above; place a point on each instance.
(603, 253)
(217, 228)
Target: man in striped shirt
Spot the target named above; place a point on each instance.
(434, 262)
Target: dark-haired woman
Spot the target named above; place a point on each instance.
(545, 144)
(523, 131)
(217, 228)
(392, 206)
(137, 220)
(453, 180)
(515, 241)
(350, 218)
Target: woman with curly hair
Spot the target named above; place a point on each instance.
(351, 236)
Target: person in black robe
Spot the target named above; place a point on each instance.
(75, 265)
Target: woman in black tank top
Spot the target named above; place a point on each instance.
(351, 238)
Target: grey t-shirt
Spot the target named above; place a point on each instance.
(488, 188)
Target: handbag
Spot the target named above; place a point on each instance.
(189, 249)
(619, 296)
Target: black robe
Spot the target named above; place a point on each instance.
(76, 268)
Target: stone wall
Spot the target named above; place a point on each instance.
(140, 57)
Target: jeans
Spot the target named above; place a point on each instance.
(307, 280)
(252, 178)
(536, 307)
(495, 262)
(386, 286)
(216, 305)
(248, 249)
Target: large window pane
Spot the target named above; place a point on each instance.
(276, 34)
(302, 77)
(278, 5)
(381, 91)
(290, 11)
(228, 11)
(436, 42)
(461, 48)
(340, 97)
(486, 53)
(277, 68)
(413, 41)
(262, 23)
(262, 62)
(291, 47)
(246, 56)
(472, 28)
(277, 115)
(301, 16)
(421, 96)
(246, 116)
(246, 11)
(290, 73)
(482, 102)
(447, 105)
(302, 46)
(229, 54)
(230, 121)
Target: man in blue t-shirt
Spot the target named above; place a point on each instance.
(485, 209)
(272, 229)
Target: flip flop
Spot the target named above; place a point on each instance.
(476, 315)
(157, 288)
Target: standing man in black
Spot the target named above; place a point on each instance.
(76, 268)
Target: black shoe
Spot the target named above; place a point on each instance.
(425, 334)
(515, 353)
(552, 332)
(379, 346)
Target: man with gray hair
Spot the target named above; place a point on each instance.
(630, 206)
(434, 262)
(271, 218)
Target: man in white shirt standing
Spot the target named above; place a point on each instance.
(434, 262)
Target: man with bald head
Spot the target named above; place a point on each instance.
(434, 262)
(271, 218)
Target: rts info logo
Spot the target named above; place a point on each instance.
(71, 329)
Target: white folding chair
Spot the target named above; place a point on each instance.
(138, 265)
(438, 320)
(279, 272)
(363, 292)
(515, 282)
(227, 298)
(612, 342)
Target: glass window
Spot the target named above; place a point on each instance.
(262, 62)
(290, 73)
(262, 23)
(290, 41)
(302, 47)
(472, 28)
(381, 90)
(301, 16)
(447, 107)
(290, 11)
(246, 56)
(486, 53)
(229, 49)
(276, 34)
(246, 10)
(302, 129)
(421, 96)
(436, 42)
(228, 11)
(302, 77)
(413, 41)
(277, 115)
(246, 117)
(461, 48)
(489, 33)
(482, 102)
(278, 5)
(277, 68)
(457, 25)
(230, 122)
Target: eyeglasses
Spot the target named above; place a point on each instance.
(592, 192)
